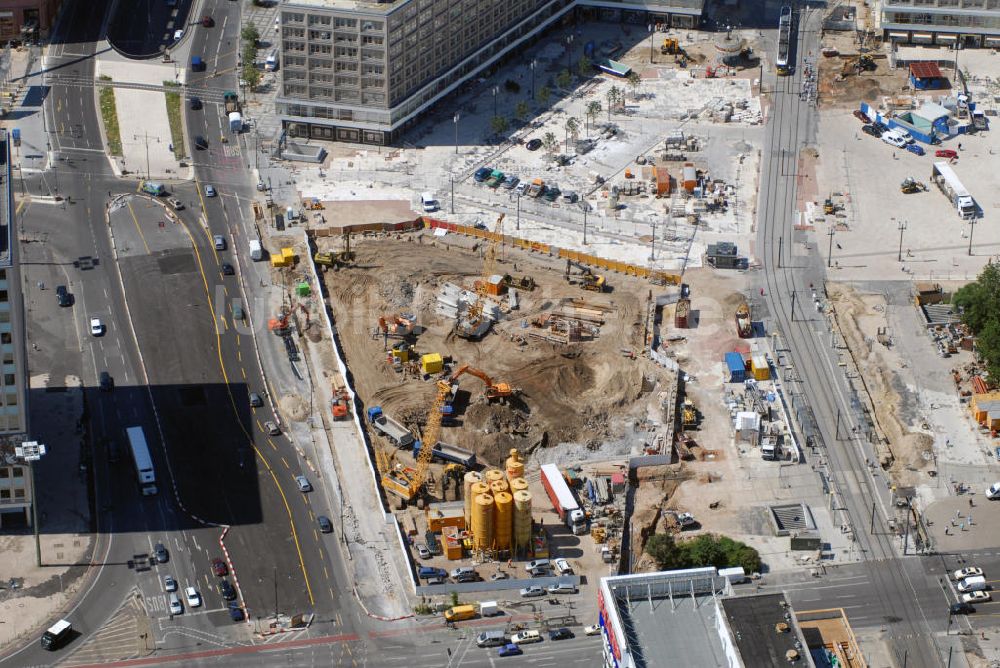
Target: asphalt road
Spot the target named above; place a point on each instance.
(143, 28)
(910, 620)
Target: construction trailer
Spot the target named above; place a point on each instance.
(947, 181)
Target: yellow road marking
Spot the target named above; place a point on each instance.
(22, 204)
(243, 369)
(327, 574)
(137, 229)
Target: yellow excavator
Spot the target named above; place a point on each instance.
(494, 390)
(586, 279)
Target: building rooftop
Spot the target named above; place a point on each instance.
(683, 629)
(925, 70)
(764, 629)
(356, 5)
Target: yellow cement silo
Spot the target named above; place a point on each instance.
(518, 485)
(514, 465)
(505, 520)
(470, 478)
(499, 486)
(522, 520)
(479, 488)
(492, 475)
(483, 522)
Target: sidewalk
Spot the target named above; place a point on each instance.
(25, 110)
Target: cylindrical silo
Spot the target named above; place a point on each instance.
(499, 486)
(522, 520)
(492, 475)
(483, 522)
(470, 478)
(514, 465)
(504, 520)
(518, 485)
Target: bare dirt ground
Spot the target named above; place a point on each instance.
(867, 87)
(568, 393)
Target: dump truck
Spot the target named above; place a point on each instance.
(449, 453)
(232, 101)
(562, 499)
(536, 188)
(385, 425)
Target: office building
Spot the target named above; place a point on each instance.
(364, 71)
(27, 20)
(966, 23)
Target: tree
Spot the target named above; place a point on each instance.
(705, 550)
(584, 66)
(499, 124)
(522, 110)
(634, 81)
(980, 304)
(572, 129)
(550, 142)
(544, 94)
(251, 75)
(662, 548)
(250, 34)
(564, 79)
(593, 109)
(614, 97)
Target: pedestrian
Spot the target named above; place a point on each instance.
(960, 146)
(762, 292)
(449, 651)
(970, 503)
(893, 155)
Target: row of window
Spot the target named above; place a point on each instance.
(367, 25)
(335, 113)
(957, 4)
(345, 94)
(943, 20)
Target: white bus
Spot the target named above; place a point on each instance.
(142, 460)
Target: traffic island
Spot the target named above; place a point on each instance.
(109, 116)
(173, 96)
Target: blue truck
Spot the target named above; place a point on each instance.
(197, 64)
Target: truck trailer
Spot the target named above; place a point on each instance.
(385, 425)
(562, 499)
(947, 181)
(449, 453)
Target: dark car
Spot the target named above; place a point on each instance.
(426, 572)
(107, 383)
(236, 612)
(510, 649)
(871, 130)
(539, 572)
(915, 148)
(227, 590)
(881, 127)
(63, 296)
(162, 556)
(482, 174)
(219, 567)
(533, 145)
(560, 634)
(325, 525)
(200, 142)
(861, 116)
(961, 609)
(195, 103)
(227, 269)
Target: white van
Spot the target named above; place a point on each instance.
(975, 583)
(430, 204)
(271, 64)
(256, 251)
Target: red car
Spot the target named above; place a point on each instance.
(861, 116)
(945, 153)
(219, 567)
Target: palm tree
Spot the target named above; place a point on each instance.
(499, 124)
(634, 81)
(544, 93)
(584, 66)
(564, 79)
(522, 110)
(572, 129)
(614, 96)
(593, 109)
(550, 142)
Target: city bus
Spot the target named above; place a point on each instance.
(142, 460)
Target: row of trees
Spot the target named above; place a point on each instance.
(705, 550)
(250, 73)
(980, 303)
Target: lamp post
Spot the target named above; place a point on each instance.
(902, 226)
(829, 253)
(496, 90)
(972, 228)
(31, 452)
(584, 227)
(652, 243)
(569, 50)
(517, 226)
(457, 116)
(532, 66)
(651, 35)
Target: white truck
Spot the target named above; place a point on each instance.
(947, 181)
(562, 499)
(975, 583)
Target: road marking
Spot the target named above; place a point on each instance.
(326, 574)
(137, 228)
(243, 369)
(285, 462)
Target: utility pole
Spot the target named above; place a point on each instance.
(872, 530)
(906, 533)
(652, 244)
(902, 226)
(793, 305)
(584, 227)
(780, 240)
(453, 194)
(455, 119)
(652, 33)
(517, 226)
(275, 593)
(829, 253)
(972, 228)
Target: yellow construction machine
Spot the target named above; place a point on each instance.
(586, 279)
(910, 186)
(408, 483)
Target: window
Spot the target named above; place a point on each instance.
(320, 35)
(5, 337)
(350, 52)
(315, 20)
(294, 46)
(18, 471)
(8, 379)
(320, 48)
(369, 39)
(345, 23)
(294, 32)
(18, 493)
(4, 473)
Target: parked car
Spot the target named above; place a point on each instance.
(436, 580)
(961, 609)
(967, 572)
(915, 148)
(482, 174)
(976, 597)
(169, 583)
(522, 637)
(63, 297)
(499, 575)
(945, 153)
(894, 139)
(593, 630)
(96, 327)
(176, 203)
(521, 188)
(907, 137)
(560, 634)
(423, 552)
(562, 588)
(425, 572)
(533, 145)
(536, 563)
(871, 130)
(161, 554)
(227, 590)
(540, 572)
(993, 491)
(563, 567)
(510, 182)
(325, 525)
(192, 597)
(881, 127)
(175, 604)
(303, 483)
(209, 190)
(236, 612)
(219, 567)
(861, 116)
(532, 591)
(510, 649)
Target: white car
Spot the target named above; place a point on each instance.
(593, 630)
(993, 491)
(192, 596)
(96, 327)
(532, 591)
(906, 136)
(521, 188)
(169, 583)
(536, 563)
(523, 637)
(894, 139)
(563, 567)
(967, 572)
(976, 597)
(178, 34)
(209, 190)
(423, 551)
(175, 605)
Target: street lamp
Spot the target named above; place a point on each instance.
(457, 116)
(532, 66)
(972, 228)
(652, 32)
(517, 226)
(569, 50)
(496, 91)
(31, 452)
(902, 226)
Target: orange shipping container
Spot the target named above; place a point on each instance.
(662, 181)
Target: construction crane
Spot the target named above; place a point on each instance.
(475, 311)
(587, 279)
(493, 390)
(408, 483)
